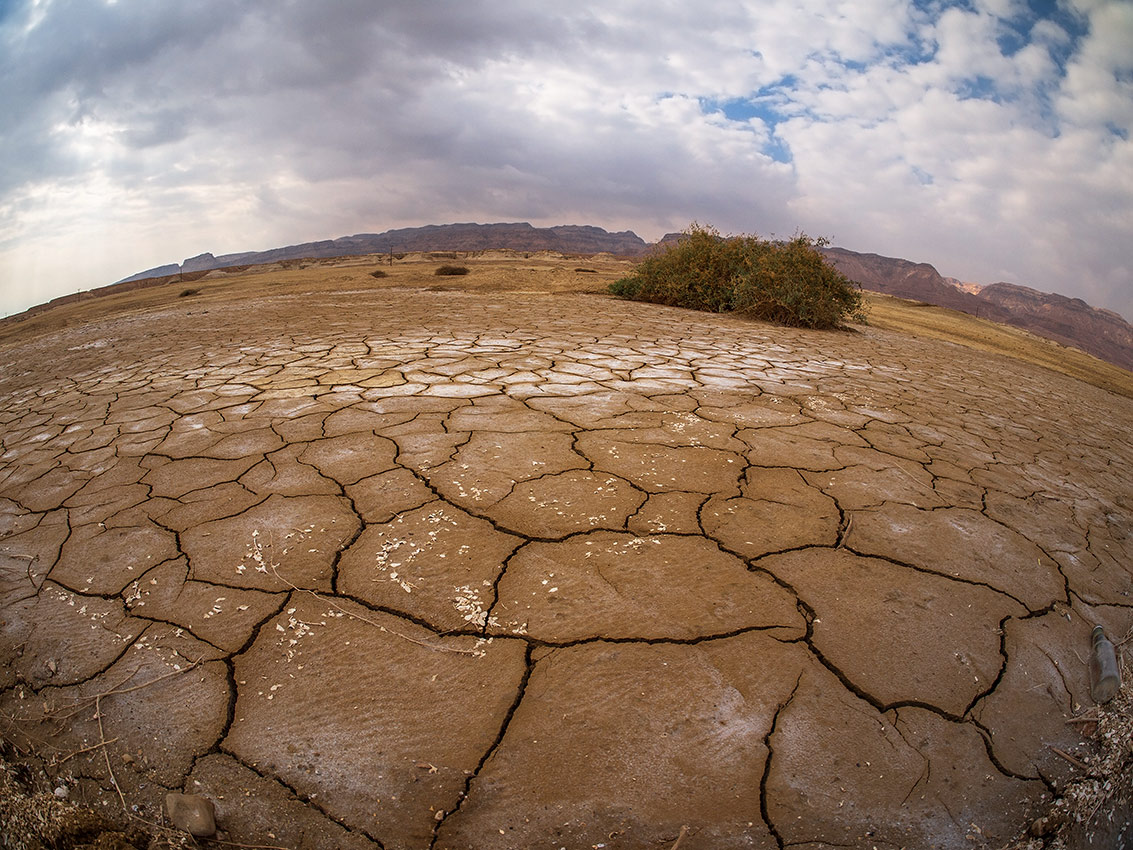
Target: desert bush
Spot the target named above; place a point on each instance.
(587, 271)
(185, 293)
(785, 281)
(451, 270)
(379, 273)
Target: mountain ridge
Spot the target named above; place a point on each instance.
(1070, 321)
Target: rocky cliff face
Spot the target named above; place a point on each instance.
(1071, 321)
(904, 279)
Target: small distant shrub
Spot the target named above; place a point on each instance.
(784, 281)
(379, 273)
(587, 271)
(185, 293)
(451, 270)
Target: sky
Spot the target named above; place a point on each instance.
(990, 138)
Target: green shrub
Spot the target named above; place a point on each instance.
(784, 281)
(452, 270)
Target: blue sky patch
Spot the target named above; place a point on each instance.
(742, 109)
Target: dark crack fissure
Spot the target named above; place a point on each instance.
(240, 512)
(230, 708)
(846, 681)
(926, 772)
(927, 571)
(763, 809)
(59, 551)
(1002, 669)
(985, 735)
(845, 522)
(254, 633)
(344, 547)
(529, 667)
(496, 584)
(651, 641)
(106, 597)
(1083, 601)
(301, 798)
(186, 629)
(468, 631)
(1067, 590)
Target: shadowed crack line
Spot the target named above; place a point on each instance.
(985, 735)
(346, 544)
(496, 584)
(229, 716)
(529, 667)
(1002, 631)
(926, 772)
(763, 808)
(1086, 602)
(254, 632)
(927, 571)
(648, 641)
(186, 629)
(304, 799)
(847, 683)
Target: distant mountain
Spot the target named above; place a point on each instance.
(1071, 321)
(568, 239)
(905, 279)
(1067, 320)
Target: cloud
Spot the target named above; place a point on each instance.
(981, 137)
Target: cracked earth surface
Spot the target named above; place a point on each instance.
(412, 569)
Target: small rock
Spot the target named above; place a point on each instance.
(193, 813)
(61, 792)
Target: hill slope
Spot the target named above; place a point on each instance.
(1066, 320)
(520, 236)
(1070, 321)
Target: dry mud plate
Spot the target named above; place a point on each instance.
(420, 569)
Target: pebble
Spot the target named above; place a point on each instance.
(61, 792)
(193, 813)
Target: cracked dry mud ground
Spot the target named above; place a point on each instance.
(412, 569)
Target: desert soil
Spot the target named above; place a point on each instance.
(499, 565)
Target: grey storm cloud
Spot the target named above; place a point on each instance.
(981, 137)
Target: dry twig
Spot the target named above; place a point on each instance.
(248, 846)
(91, 748)
(106, 753)
(1081, 765)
